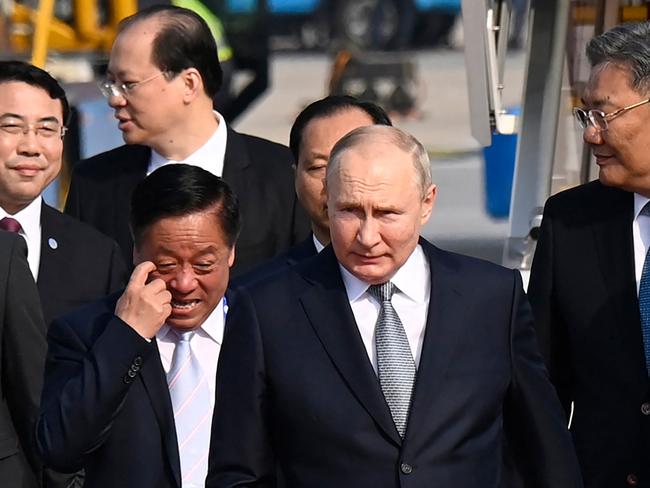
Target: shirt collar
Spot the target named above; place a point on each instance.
(639, 202)
(212, 328)
(29, 218)
(209, 156)
(413, 279)
(317, 244)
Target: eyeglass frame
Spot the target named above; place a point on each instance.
(26, 128)
(112, 89)
(607, 117)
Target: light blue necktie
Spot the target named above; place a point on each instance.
(644, 300)
(395, 365)
(190, 395)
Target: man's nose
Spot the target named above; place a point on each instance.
(116, 100)
(28, 144)
(184, 281)
(591, 135)
(368, 235)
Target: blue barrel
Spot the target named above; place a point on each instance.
(499, 170)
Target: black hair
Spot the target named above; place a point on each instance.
(30, 74)
(326, 107)
(183, 41)
(181, 189)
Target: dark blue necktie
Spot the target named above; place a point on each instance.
(644, 300)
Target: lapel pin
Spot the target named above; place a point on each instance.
(52, 243)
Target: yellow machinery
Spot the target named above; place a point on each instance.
(38, 30)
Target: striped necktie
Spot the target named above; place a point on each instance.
(190, 395)
(395, 365)
(644, 299)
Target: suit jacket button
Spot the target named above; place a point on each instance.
(138, 361)
(645, 408)
(127, 379)
(632, 480)
(406, 468)
(131, 373)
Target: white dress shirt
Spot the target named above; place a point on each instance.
(317, 244)
(411, 302)
(29, 219)
(205, 344)
(209, 156)
(640, 236)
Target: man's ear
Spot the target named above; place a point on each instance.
(428, 202)
(231, 256)
(192, 84)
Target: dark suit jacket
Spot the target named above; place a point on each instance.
(299, 404)
(78, 264)
(22, 356)
(257, 170)
(298, 253)
(583, 292)
(105, 404)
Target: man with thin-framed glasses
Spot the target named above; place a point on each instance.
(163, 73)
(71, 262)
(590, 280)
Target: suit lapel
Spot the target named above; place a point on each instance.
(55, 254)
(155, 384)
(444, 330)
(328, 310)
(235, 160)
(615, 247)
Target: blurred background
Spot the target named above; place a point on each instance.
(486, 85)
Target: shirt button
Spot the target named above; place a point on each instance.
(406, 468)
(632, 480)
(645, 408)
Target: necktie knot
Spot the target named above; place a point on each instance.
(383, 291)
(184, 337)
(10, 224)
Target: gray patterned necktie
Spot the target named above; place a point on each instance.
(395, 365)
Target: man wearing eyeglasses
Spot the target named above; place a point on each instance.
(590, 281)
(163, 74)
(71, 262)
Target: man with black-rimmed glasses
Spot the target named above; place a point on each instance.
(590, 281)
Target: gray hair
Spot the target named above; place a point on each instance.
(392, 135)
(627, 45)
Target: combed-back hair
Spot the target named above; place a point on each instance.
(326, 107)
(176, 190)
(183, 41)
(628, 45)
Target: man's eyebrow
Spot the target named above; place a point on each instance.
(8, 115)
(49, 118)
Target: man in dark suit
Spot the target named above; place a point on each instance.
(162, 76)
(72, 263)
(312, 137)
(22, 341)
(130, 380)
(384, 361)
(589, 278)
